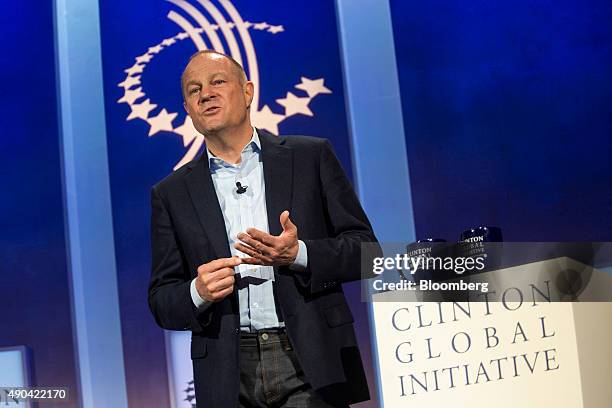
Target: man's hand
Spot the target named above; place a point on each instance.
(216, 278)
(266, 249)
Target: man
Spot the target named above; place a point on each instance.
(250, 244)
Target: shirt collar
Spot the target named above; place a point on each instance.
(254, 145)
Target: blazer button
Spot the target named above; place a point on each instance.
(237, 331)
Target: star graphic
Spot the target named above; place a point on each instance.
(230, 25)
(266, 119)
(214, 26)
(181, 36)
(168, 41)
(294, 105)
(276, 29)
(143, 58)
(187, 131)
(131, 95)
(163, 121)
(261, 26)
(247, 24)
(156, 49)
(130, 81)
(134, 69)
(141, 110)
(313, 86)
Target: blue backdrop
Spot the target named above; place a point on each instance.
(507, 116)
(35, 305)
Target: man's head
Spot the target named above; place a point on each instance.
(216, 93)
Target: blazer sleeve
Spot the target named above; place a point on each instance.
(337, 258)
(169, 288)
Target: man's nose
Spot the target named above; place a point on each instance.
(206, 95)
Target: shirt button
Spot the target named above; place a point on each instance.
(264, 336)
(237, 331)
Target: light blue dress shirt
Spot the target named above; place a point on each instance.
(240, 212)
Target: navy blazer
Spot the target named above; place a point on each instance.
(302, 175)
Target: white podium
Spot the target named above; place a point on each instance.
(520, 347)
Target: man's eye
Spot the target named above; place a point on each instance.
(218, 81)
(194, 90)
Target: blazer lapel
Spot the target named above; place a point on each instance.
(202, 192)
(278, 176)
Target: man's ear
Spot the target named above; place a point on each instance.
(248, 93)
(185, 107)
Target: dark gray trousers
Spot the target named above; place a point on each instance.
(270, 374)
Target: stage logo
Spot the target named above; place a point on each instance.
(215, 26)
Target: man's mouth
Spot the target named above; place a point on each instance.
(212, 110)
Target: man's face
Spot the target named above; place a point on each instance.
(216, 97)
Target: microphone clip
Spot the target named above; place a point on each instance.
(240, 189)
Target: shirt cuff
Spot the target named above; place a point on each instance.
(301, 260)
(200, 303)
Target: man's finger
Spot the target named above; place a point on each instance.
(217, 264)
(255, 244)
(252, 261)
(286, 222)
(263, 237)
(264, 259)
(222, 273)
(222, 284)
(222, 294)
(224, 263)
(209, 278)
(246, 249)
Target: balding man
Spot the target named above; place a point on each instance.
(250, 245)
